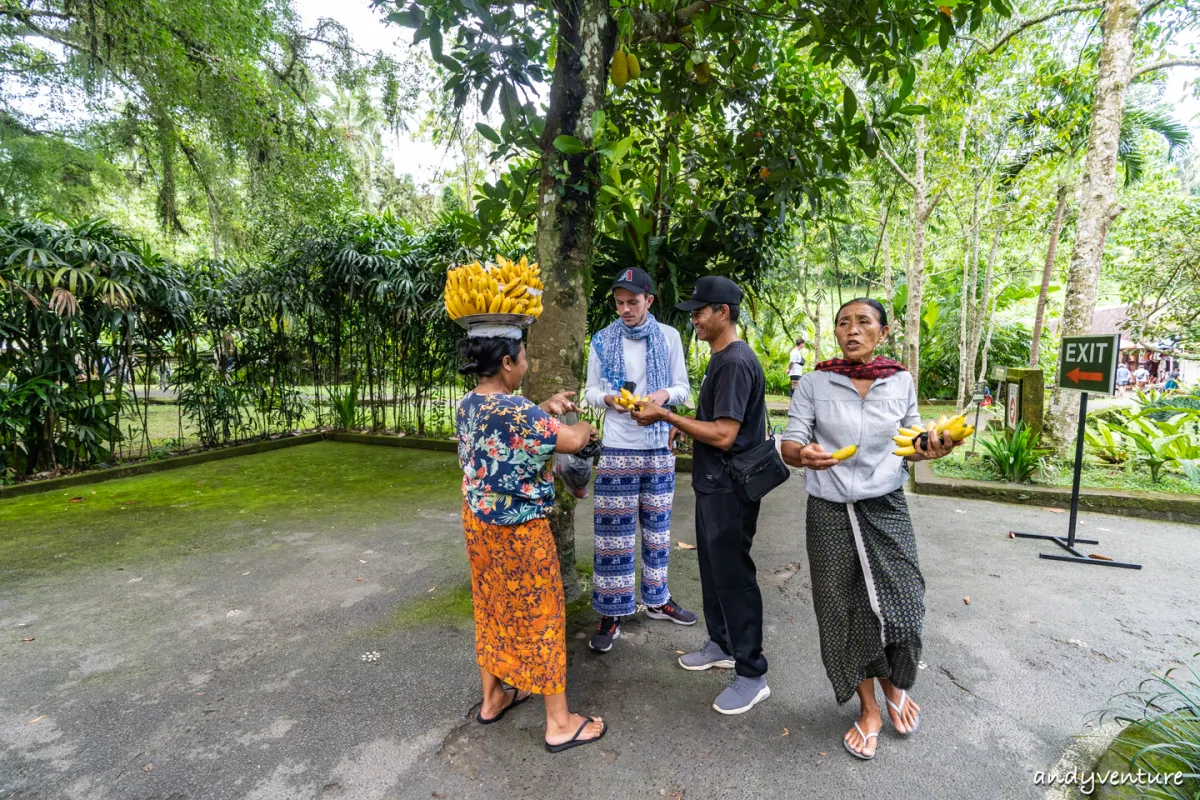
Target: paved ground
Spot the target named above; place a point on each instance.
(240, 674)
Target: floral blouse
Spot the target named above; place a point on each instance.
(505, 444)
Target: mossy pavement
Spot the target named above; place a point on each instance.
(217, 506)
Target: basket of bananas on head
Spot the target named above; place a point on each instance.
(914, 439)
(504, 293)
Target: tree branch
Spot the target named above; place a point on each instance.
(1170, 62)
(899, 171)
(1150, 7)
(1029, 23)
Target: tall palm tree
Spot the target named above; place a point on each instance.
(361, 126)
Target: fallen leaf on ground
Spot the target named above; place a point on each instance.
(966, 601)
(431, 588)
(822, 753)
(37, 719)
(785, 732)
(28, 639)
(685, 546)
(680, 652)
(76, 500)
(1099, 557)
(359, 580)
(438, 794)
(1053, 510)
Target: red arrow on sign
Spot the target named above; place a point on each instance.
(1076, 376)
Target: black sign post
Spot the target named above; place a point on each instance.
(1085, 364)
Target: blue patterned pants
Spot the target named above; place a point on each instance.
(632, 485)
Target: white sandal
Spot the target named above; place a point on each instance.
(866, 737)
(916, 723)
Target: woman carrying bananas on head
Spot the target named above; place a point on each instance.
(505, 447)
(868, 593)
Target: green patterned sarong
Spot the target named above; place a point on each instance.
(868, 592)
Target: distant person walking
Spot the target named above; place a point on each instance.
(796, 363)
(1124, 378)
(868, 591)
(1141, 375)
(731, 418)
(505, 443)
(635, 476)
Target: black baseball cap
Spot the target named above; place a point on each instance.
(635, 280)
(712, 289)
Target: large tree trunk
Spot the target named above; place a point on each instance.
(916, 269)
(566, 226)
(889, 290)
(983, 316)
(967, 299)
(1039, 319)
(1098, 204)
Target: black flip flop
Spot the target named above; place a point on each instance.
(517, 700)
(574, 741)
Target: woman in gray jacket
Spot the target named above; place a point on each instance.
(868, 592)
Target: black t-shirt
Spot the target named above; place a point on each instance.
(734, 386)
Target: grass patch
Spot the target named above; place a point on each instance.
(1134, 740)
(449, 606)
(221, 505)
(453, 607)
(1093, 476)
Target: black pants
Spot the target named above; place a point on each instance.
(733, 609)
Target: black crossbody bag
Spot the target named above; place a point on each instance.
(757, 471)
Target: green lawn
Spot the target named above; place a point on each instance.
(1095, 476)
(220, 505)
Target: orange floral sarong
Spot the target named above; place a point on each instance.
(520, 615)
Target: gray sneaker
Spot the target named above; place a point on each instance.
(707, 657)
(742, 695)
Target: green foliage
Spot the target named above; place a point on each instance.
(1162, 736)
(347, 414)
(1013, 455)
(1106, 442)
(204, 116)
(85, 309)
(1159, 444)
(1155, 259)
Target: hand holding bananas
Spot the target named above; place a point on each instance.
(919, 443)
(628, 401)
(506, 287)
(814, 456)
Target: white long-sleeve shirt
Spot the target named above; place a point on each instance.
(620, 430)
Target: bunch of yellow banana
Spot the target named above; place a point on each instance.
(907, 438)
(629, 401)
(506, 287)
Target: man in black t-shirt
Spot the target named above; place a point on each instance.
(731, 418)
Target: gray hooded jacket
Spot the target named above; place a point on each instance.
(826, 408)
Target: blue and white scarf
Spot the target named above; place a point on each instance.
(610, 351)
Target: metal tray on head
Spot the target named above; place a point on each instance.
(520, 320)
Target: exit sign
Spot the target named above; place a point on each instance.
(1089, 363)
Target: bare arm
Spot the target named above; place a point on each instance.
(573, 438)
(719, 433)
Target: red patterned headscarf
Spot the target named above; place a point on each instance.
(879, 368)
